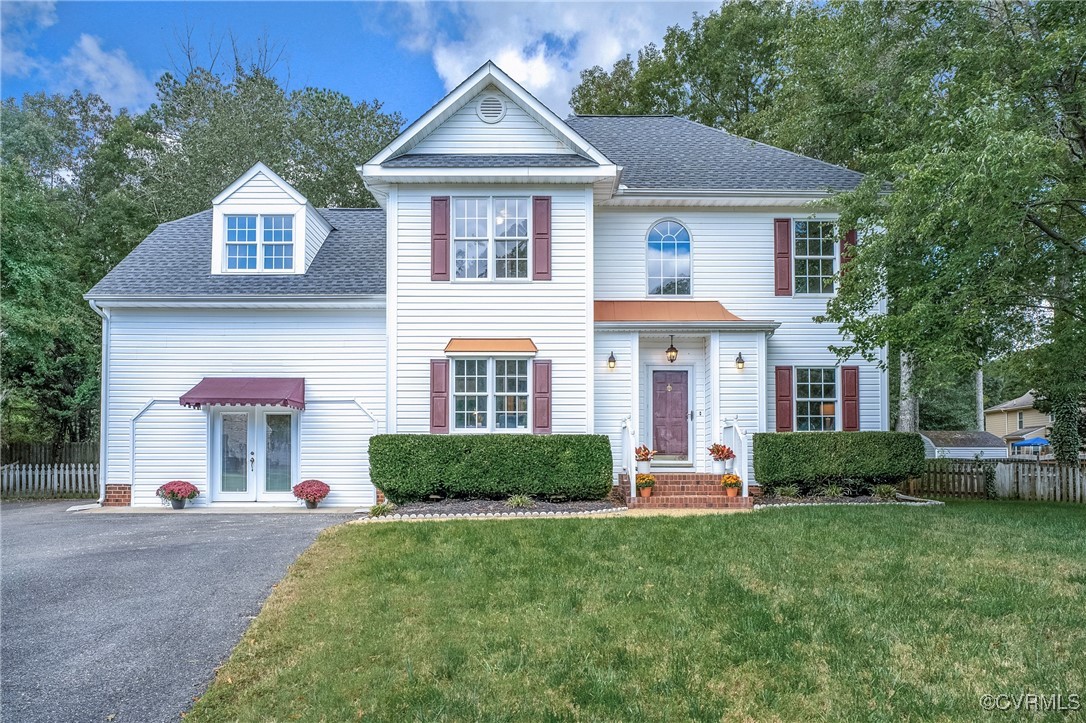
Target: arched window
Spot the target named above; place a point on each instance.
(669, 259)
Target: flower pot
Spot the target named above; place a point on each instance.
(643, 467)
(179, 504)
(729, 464)
(310, 505)
(645, 492)
(731, 491)
(718, 466)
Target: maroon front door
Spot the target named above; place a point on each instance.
(671, 413)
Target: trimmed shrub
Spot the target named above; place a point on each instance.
(812, 460)
(411, 467)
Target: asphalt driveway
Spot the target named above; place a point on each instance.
(107, 617)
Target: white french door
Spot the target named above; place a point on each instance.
(254, 454)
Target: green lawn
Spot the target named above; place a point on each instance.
(886, 613)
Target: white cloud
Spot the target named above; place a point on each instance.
(109, 73)
(20, 24)
(543, 46)
(87, 66)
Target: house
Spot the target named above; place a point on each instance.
(963, 445)
(1017, 420)
(645, 277)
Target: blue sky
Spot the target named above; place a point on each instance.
(405, 54)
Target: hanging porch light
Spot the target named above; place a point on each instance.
(672, 353)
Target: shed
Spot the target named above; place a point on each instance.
(968, 444)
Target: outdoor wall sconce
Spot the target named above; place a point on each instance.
(611, 361)
(672, 353)
(739, 362)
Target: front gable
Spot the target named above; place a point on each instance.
(491, 123)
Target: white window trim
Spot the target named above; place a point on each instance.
(260, 216)
(645, 247)
(836, 258)
(836, 401)
(491, 395)
(491, 261)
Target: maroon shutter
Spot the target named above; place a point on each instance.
(541, 238)
(784, 399)
(541, 397)
(439, 239)
(850, 399)
(848, 245)
(439, 396)
(782, 255)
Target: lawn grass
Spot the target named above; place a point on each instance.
(826, 613)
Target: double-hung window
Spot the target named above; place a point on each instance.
(490, 394)
(816, 399)
(490, 238)
(815, 253)
(260, 243)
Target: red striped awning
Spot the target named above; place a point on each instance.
(269, 391)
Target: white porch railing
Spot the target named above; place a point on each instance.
(629, 444)
(736, 438)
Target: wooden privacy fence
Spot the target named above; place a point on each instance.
(49, 480)
(48, 453)
(1011, 479)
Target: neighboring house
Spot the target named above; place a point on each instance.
(645, 277)
(1016, 420)
(963, 445)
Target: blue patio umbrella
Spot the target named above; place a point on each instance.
(1032, 442)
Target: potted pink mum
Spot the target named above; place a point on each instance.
(312, 491)
(178, 492)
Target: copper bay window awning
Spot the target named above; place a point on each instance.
(268, 391)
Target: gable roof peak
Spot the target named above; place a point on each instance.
(484, 76)
(257, 169)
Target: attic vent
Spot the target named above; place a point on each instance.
(491, 109)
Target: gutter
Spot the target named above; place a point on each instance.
(103, 421)
(669, 327)
(274, 301)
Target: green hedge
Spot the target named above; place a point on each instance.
(813, 459)
(410, 467)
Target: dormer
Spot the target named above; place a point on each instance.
(262, 225)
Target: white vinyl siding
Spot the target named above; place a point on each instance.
(555, 315)
(159, 354)
(732, 262)
(465, 133)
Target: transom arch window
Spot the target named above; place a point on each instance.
(668, 259)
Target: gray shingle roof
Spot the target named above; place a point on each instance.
(668, 152)
(1023, 402)
(175, 260)
(456, 160)
(969, 438)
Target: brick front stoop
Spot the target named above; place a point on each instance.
(686, 491)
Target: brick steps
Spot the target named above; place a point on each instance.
(691, 502)
(688, 489)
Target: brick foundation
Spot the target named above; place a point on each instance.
(118, 496)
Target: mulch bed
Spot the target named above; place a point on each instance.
(496, 508)
(775, 501)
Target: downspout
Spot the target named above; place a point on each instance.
(103, 421)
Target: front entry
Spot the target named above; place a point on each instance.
(671, 413)
(254, 455)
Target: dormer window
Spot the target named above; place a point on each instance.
(259, 242)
